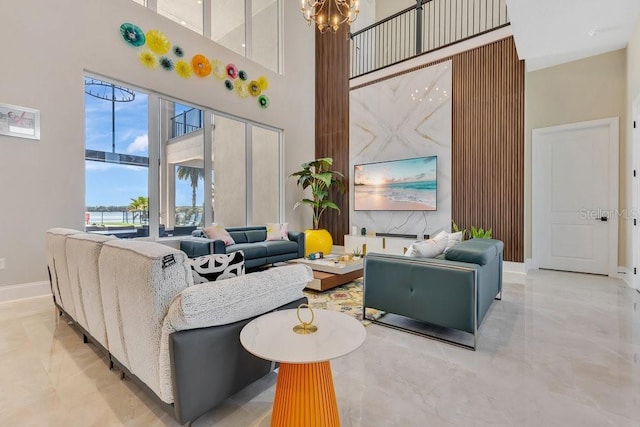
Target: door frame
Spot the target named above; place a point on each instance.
(612, 225)
(634, 282)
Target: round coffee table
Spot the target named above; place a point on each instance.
(304, 389)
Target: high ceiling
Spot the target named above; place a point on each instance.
(552, 32)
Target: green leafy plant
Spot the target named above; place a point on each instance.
(456, 229)
(318, 176)
(139, 204)
(480, 233)
(356, 252)
(474, 233)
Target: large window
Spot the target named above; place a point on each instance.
(116, 156)
(265, 161)
(185, 168)
(229, 177)
(265, 40)
(250, 28)
(185, 12)
(182, 177)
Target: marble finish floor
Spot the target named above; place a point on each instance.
(561, 349)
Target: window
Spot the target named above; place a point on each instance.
(116, 156)
(250, 28)
(265, 40)
(196, 167)
(185, 12)
(229, 175)
(265, 171)
(228, 25)
(182, 192)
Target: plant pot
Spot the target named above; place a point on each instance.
(317, 241)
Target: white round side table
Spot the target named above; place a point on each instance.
(305, 395)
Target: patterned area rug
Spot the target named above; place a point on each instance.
(346, 298)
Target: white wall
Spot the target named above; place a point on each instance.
(43, 68)
(626, 151)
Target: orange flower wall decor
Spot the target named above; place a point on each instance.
(201, 65)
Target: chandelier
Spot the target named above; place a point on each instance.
(330, 14)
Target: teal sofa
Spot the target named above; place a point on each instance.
(453, 291)
(252, 241)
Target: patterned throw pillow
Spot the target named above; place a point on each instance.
(277, 231)
(210, 268)
(217, 232)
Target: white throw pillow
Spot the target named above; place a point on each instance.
(454, 239)
(429, 248)
(277, 231)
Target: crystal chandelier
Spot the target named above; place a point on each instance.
(330, 14)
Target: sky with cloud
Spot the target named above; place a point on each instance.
(109, 184)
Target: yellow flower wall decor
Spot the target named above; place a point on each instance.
(157, 42)
(155, 49)
(183, 69)
(263, 82)
(254, 88)
(147, 59)
(241, 88)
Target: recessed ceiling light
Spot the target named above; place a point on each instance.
(183, 22)
(243, 45)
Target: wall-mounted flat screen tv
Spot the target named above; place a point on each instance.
(397, 185)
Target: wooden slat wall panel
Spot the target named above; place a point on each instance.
(488, 143)
(332, 119)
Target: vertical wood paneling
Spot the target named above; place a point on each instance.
(488, 143)
(332, 119)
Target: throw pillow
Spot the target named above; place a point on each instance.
(454, 239)
(217, 232)
(210, 268)
(277, 231)
(428, 248)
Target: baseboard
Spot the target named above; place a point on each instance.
(626, 275)
(514, 272)
(25, 290)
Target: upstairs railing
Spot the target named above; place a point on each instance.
(428, 26)
(186, 122)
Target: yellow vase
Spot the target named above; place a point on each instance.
(317, 241)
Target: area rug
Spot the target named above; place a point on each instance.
(346, 298)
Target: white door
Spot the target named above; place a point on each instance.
(575, 197)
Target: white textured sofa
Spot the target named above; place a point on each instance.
(136, 300)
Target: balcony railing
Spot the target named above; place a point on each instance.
(426, 27)
(186, 122)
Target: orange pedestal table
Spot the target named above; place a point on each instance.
(305, 395)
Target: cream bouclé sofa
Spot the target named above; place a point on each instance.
(180, 342)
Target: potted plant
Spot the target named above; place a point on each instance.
(319, 178)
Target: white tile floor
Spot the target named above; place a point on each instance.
(563, 349)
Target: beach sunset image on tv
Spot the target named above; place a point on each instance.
(398, 185)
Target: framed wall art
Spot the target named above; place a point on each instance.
(21, 122)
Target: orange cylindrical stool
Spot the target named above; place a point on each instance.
(305, 396)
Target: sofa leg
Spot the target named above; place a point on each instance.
(85, 339)
(110, 362)
(123, 376)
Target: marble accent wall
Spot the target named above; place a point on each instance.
(399, 118)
